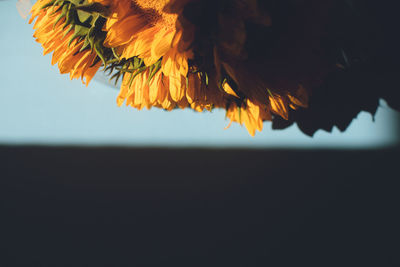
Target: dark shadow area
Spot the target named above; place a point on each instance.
(168, 207)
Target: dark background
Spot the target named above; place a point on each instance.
(191, 207)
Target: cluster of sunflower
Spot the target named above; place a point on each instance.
(153, 47)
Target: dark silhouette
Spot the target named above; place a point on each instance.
(346, 52)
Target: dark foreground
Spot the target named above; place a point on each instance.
(161, 207)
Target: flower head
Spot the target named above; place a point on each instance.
(168, 57)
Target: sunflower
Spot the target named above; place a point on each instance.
(150, 44)
(68, 49)
(258, 60)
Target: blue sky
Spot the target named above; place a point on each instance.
(40, 106)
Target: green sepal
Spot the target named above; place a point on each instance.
(115, 53)
(77, 2)
(95, 61)
(50, 4)
(58, 9)
(71, 27)
(153, 70)
(69, 17)
(98, 47)
(58, 2)
(84, 17)
(240, 114)
(116, 76)
(86, 45)
(91, 38)
(137, 62)
(94, 8)
(64, 10)
(137, 72)
(79, 32)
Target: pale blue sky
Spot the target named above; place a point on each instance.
(40, 106)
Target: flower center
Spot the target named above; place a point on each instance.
(154, 10)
